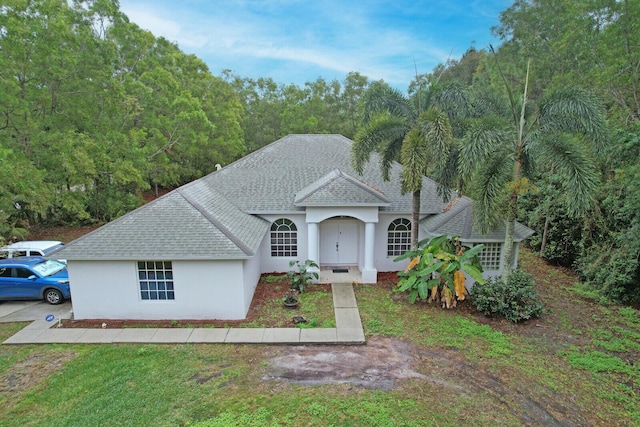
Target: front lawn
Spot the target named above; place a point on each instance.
(576, 365)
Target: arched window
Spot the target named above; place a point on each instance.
(284, 238)
(399, 237)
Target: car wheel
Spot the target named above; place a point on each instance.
(53, 296)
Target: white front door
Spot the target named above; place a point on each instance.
(339, 242)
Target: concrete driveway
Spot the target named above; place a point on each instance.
(26, 311)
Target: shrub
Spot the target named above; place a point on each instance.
(516, 300)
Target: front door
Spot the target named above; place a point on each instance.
(339, 242)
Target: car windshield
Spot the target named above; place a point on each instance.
(49, 267)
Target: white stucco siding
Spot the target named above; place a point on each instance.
(251, 275)
(271, 264)
(382, 260)
(203, 290)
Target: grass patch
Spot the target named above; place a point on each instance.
(211, 385)
(274, 278)
(597, 361)
(379, 313)
(315, 306)
(450, 329)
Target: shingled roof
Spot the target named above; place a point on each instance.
(192, 222)
(267, 180)
(457, 220)
(217, 216)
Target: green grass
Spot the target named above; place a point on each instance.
(202, 385)
(224, 385)
(315, 306)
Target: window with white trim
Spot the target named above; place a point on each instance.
(284, 238)
(490, 256)
(155, 280)
(399, 237)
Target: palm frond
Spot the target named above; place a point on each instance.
(565, 154)
(489, 189)
(454, 100)
(415, 158)
(485, 102)
(382, 97)
(447, 177)
(391, 149)
(376, 136)
(484, 137)
(575, 110)
(436, 129)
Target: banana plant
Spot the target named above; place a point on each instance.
(437, 270)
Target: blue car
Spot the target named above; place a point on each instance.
(36, 278)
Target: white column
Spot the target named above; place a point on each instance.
(312, 248)
(312, 232)
(369, 272)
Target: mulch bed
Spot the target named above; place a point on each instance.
(265, 293)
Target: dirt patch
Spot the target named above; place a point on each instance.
(32, 371)
(374, 366)
(265, 293)
(383, 362)
(536, 407)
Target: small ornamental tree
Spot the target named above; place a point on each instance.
(436, 270)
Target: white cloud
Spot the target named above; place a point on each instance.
(332, 36)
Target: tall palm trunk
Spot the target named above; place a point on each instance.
(415, 217)
(512, 214)
(512, 211)
(508, 256)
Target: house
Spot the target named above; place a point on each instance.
(198, 251)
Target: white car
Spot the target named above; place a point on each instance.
(30, 248)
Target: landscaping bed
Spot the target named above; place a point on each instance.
(266, 311)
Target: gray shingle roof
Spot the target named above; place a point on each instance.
(458, 221)
(267, 180)
(193, 222)
(216, 217)
(339, 189)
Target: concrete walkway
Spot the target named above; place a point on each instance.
(348, 330)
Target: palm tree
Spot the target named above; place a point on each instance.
(565, 131)
(397, 128)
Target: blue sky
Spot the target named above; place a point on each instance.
(295, 41)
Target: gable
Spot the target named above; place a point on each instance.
(340, 189)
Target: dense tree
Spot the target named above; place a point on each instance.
(272, 111)
(99, 110)
(609, 259)
(595, 42)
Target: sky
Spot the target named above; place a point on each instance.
(298, 41)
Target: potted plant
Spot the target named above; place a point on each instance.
(300, 276)
(291, 299)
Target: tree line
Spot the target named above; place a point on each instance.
(96, 111)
